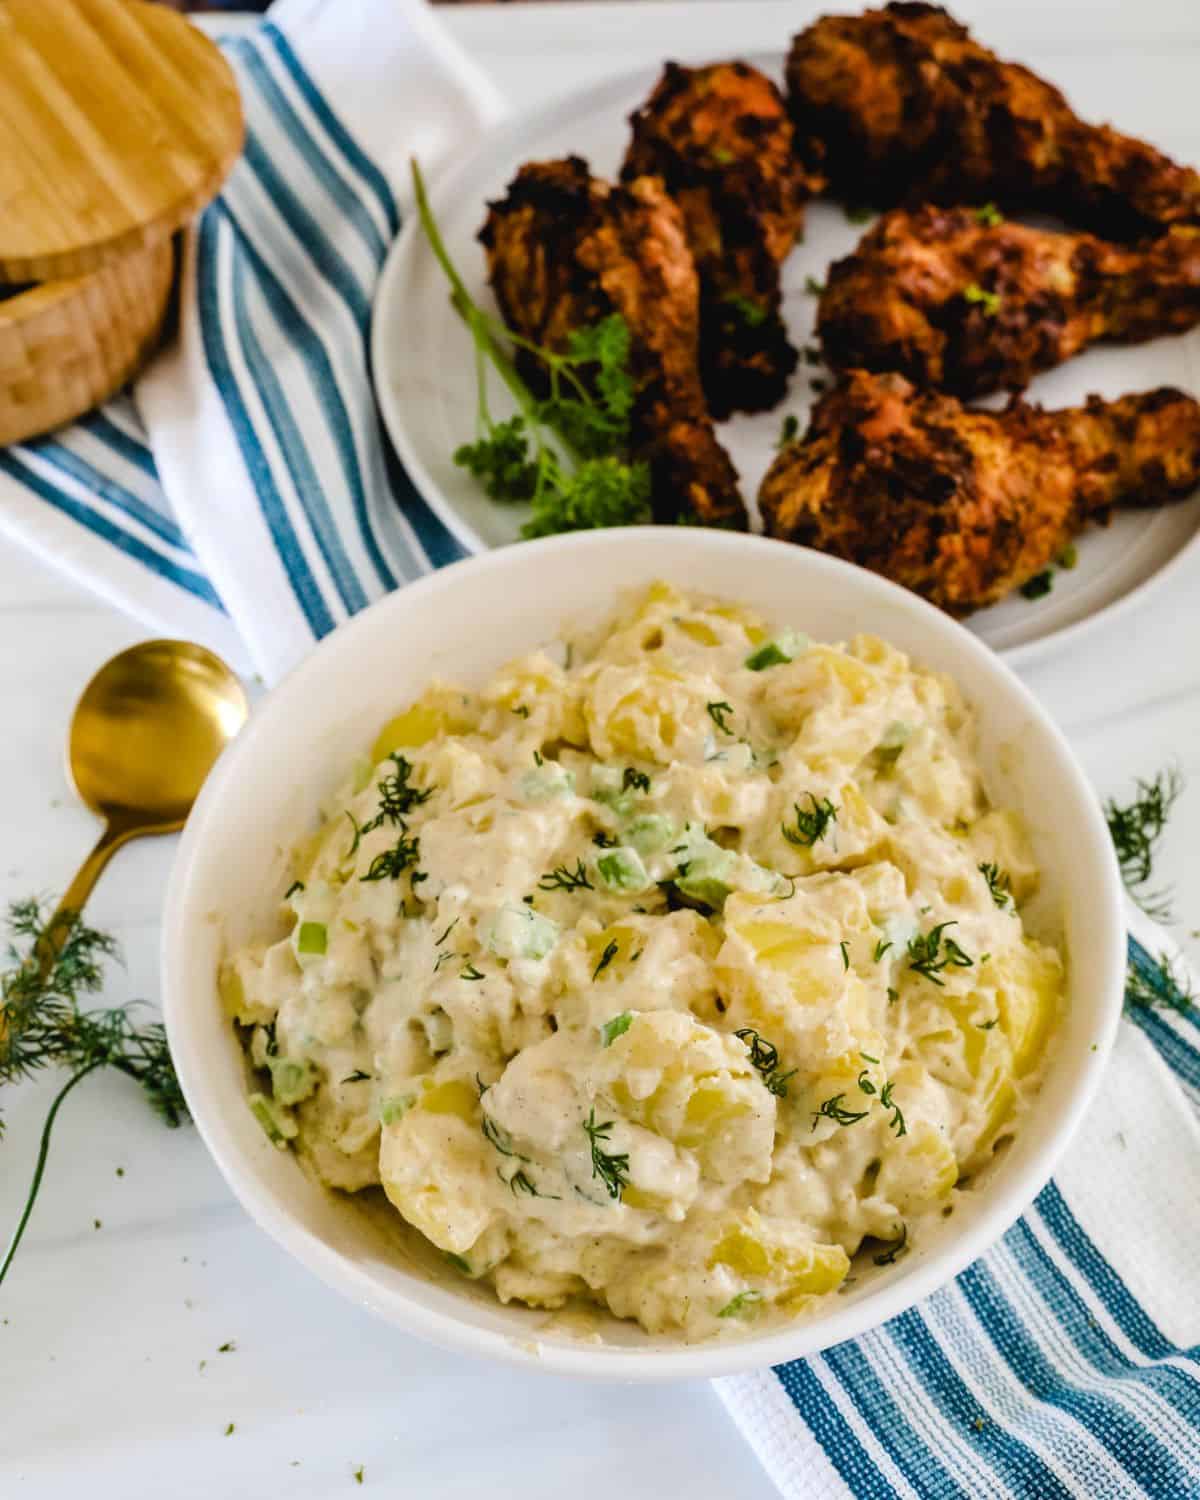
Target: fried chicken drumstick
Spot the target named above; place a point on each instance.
(902, 104)
(962, 506)
(720, 139)
(565, 250)
(958, 299)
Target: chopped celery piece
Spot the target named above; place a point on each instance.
(291, 1081)
(621, 869)
(786, 646)
(311, 939)
(650, 833)
(276, 1121)
(618, 1026)
(545, 781)
(521, 932)
(745, 1304)
(892, 742)
(395, 1108)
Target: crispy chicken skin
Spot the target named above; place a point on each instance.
(901, 103)
(565, 250)
(721, 140)
(961, 506)
(970, 307)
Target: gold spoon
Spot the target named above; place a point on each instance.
(146, 733)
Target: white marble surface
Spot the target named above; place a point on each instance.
(110, 1376)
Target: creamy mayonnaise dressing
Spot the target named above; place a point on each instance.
(670, 978)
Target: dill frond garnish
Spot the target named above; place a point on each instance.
(390, 864)
(812, 823)
(718, 713)
(764, 1058)
(562, 879)
(1136, 830)
(55, 962)
(895, 1249)
(931, 952)
(897, 1120)
(1157, 985)
(611, 1168)
(833, 1109)
(610, 952)
(998, 883)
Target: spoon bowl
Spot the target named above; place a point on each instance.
(145, 734)
(147, 731)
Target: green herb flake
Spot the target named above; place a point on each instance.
(1039, 585)
(789, 430)
(895, 1249)
(989, 215)
(611, 1168)
(229, 1430)
(719, 713)
(562, 879)
(845, 947)
(813, 287)
(834, 1109)
(998, 883)
(358, 1474)
(929, 954)
(990, 302)
(812, 823)
(764, 1058)
(616, 1027)
(610, 952)
(1136, 829)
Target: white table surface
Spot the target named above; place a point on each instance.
(103, 1330)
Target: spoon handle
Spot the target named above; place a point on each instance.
(59, 925)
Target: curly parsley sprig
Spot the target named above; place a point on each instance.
(55, 962)
(586, 478)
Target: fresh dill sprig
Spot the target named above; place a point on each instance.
(611, 1168)
(833, 1109)
(588, 480)
(390, 864)
(895, 1248)
(812, 822)
(562, 879)
(55, 962)
(931, 952)
(764, 1058)
(718, 713)
(610, 952)
(897, 1120)
(1136, 830)
(1157, 985)
(396, 797)
(998, 883)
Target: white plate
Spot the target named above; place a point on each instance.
(425, 377)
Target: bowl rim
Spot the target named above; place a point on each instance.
(404, 1308)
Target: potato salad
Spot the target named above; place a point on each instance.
(667, 977)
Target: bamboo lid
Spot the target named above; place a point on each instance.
(118, 121)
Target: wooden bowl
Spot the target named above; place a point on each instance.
(67, 345)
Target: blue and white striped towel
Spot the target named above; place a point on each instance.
(252, 504)
(1066, 1362)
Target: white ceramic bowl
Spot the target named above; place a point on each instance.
(464, 622)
